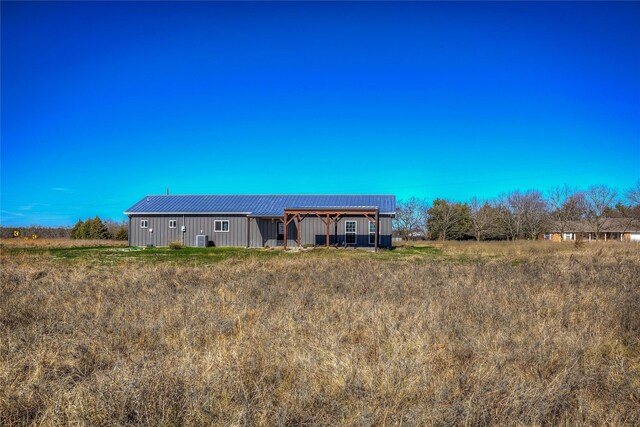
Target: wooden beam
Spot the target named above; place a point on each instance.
(322, 219)
(324, 211)
(298, 229)
(328, 225)
(286, 215)
(291, 219)
(377, 232)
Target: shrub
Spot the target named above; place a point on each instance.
(122, 234)
(90, 229)
(176, 244)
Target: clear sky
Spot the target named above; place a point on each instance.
(105, 102)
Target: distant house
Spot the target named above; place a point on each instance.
(622, 229)
(262, 220)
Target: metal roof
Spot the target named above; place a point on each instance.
(257, 205)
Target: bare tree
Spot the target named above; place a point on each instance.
(520, 214)
(599, 200)
(482, 221)
(633, 198)
(535, 214)
(509, 209)
(566, 205)
(410, 217)
(503, 218)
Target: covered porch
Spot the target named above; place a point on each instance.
(331, 216)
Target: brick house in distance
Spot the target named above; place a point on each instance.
(619, 229)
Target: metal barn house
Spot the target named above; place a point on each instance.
(262, 220)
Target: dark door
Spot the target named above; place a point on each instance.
(280, 232)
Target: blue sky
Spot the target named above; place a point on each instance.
(105, 102)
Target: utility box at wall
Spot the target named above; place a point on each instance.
(202, 241)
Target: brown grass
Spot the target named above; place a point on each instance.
(58, 243)
(507, 334)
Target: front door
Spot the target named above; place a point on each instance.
(280, 232)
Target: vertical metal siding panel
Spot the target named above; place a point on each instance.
(136, 226)
(190, 235)
(253, 233)
(133, 232)
(291, 235)
(161, 230)
(313, 231)
(132, 237)
(260, 238)
(385, 231)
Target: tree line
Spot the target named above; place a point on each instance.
(91, 228)
(515, 215)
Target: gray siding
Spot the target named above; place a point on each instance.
(195, 224)
(262, 231)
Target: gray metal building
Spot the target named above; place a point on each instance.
(259, 220)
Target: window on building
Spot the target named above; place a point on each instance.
(173, 223)
(568, 236)
(350, 229)
(372, 233)
(144, 223)
(221, 225)
(547, 236)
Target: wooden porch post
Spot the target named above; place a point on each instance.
(298, 229)
(286, 215)
(377, 225)
(328, 225)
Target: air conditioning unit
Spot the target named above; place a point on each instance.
(202, 241)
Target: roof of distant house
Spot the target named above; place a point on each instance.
(611, 225)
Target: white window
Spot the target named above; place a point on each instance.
(350, 229)
(372, 233)
(280, 228)
(221, 225)
(144, 223)
(568, 236)
(173, 223)
(547, 236)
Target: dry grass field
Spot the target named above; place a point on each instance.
(529, 333)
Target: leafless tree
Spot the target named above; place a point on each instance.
(482, 221)
(535, 214)
(566, 205)
(519, 214)
(509, 209)
(599, 200)
(633, 198)
(503, 218)
(410, 216)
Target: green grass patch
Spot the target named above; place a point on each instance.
(110, 254)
